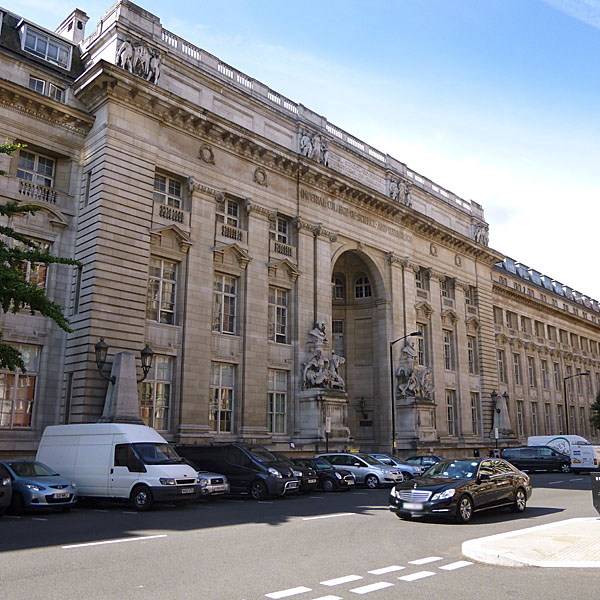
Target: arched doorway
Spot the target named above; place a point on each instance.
(358, 315)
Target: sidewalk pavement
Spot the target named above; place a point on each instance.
(571, 543)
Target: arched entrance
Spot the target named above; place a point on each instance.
(358, 315)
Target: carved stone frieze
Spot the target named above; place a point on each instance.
(260, 176)
(140, 59)
(206, 154)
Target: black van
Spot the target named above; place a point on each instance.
(537, 458)
(251, 469)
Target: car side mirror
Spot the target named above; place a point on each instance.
(484, 476)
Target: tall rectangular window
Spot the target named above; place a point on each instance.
(35, 272)
(547, 420)
(228, 212)
(422, 279)
(220, 416)
(36, 168)
(498, 316)
(545, 374)
(337, 330)
(556, 371)
(278, 302)
(156, 393)
(279, 230)
(447, 287)
(168, 191)
(579, 381)
(224, 303)
(162, 283)
(470, 295)
(448, 339)
(582, 421)
(17, 390)
(534, 419)
(520, 419)
(475, 418)
(531, 372)
(451, 411)
(422, 347)
(501, 366)
(277, 400)
(517, 369)
(472, 354)
(571, 418)
(560, 419)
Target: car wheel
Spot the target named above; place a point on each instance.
(328, 485)
(258, 490)
(520, 503)
(17, 505)
(371, 482)
(464, 509)
(141, 497)
(406, 475)
(565, 468)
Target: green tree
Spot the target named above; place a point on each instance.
(595, 412)
(16, 293)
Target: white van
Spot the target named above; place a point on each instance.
(118, 460)
(583, 457)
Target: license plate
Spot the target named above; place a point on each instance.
(219, 488)
(350, 482)
(61, 495)
(187, 490)
(292, 485)
(312, 481)
(413, 505)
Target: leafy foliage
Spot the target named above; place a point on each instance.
(16, 293)
(595, 412)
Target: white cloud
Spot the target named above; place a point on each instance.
(587, 11)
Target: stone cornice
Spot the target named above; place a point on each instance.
(44, 108)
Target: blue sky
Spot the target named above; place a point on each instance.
(495, 100)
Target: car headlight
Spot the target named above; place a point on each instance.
(167, 481)
(73, 484)
(297, 473)
(34, 487)
(338, 475)
(274, 472)
(5, 481)
(443, 495)
(203, 482)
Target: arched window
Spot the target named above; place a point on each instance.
(337, 288)
(362, 287)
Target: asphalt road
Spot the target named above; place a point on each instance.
(334, 546)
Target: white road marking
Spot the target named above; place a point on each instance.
(340, 580)
(13, 516)
(265, 502)
(287, 593)
(577, 479)
(130, 512)
(100, 510)
(329, 516)
(552, 482)
(386, 570)
(424, 561)
(365, 589)
(318, 498)
(456, 565)
(328, 598)
(133, 539)
(360, 493)
(415, 576)
(38, 519)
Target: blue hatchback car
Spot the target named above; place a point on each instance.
(37, 486)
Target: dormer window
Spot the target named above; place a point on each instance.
(47, 48)
(36, 168)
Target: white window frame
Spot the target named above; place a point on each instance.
(451, 412)
(279, 230)
(278, 314)
(43, 45)
(32, 172)
(168, 191)
(448, 344)
(472, 354)
(475, 413)
(277, 386)
(225, 290)
(228, 212)
(162, 284)
(36, 81)
(422, 345)
(501, 361)
(157, 393)
(531, 372)
(518, 379)
(222, 397)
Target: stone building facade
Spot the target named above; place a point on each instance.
(274, 263)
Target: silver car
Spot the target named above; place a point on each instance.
(367, 470)
(212, 484)
(409, 471)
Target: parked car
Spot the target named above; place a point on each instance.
(424, 462)
(251, 469)
(408, 471)
(5, 489)
(211, 484)
(329, 478)
(307, 475)
(537, 458)
(366, 470)
(37, 486)
(456, 489)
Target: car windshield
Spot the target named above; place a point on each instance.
(32, 469)
(453, 469)
(321, 463)
(157, 454)
(262, 454)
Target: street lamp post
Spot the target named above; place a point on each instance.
(101, 351)
(413, 334)
(565, 397)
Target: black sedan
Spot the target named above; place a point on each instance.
(307, 476)
(458, 488)
(330, 478)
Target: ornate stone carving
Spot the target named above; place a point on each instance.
(318, 334)
(260, 176)
(314, 146)
(322, 372)
(412, 383)
(433, 249)
(206, 154)
(137, 58)
(481, 233)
